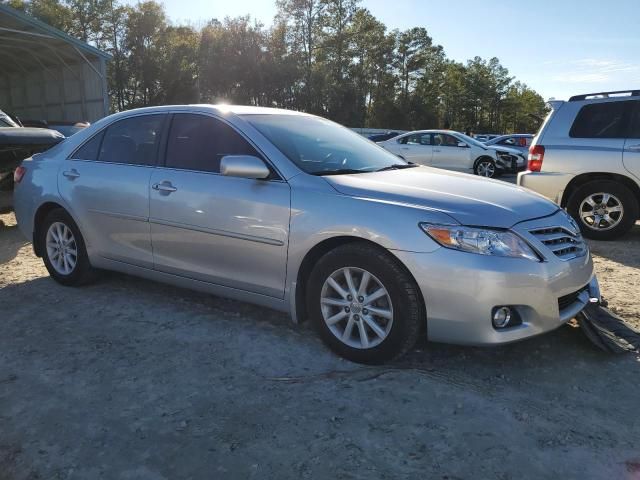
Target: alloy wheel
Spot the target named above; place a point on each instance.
(62, 248)
(356, 307)
(486, 169)
(601, 211)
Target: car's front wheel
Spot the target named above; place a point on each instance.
(364, 304)
(63, 249)
(605, 210)
(485, 167)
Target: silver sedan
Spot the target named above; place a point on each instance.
(296, 213)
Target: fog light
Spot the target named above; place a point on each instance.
(501, 317)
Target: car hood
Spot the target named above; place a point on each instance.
(509, 150)
(468, 199)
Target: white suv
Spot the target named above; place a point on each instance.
(586, 158)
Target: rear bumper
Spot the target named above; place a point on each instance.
(549, 184)
(461, 290)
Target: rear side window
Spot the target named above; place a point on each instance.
(417, 139)
(635, 121)
(132, 141)
(90, 150)
(601, 120)
(198, 142)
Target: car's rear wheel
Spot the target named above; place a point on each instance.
(485, 167)
(364, 304)
(605, 210)
(63, 249)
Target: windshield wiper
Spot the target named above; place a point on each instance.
(338, 171)
(398, 166)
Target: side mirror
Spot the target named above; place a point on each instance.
(244, 166)
(462, 145)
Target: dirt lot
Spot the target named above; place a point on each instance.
(130, 379)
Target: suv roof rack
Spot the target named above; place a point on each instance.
(632, 93)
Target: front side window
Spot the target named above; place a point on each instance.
(132, 140)
(321, 147)
(601, 120)
(198, 142)
(444, 140)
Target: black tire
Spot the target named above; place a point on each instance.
(485, 160)
(621, 192)
(408, 311)
(83, 272)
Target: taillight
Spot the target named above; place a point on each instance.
(18, 174)
(536, 155)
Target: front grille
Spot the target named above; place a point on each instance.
(563, 243)
(568, 300)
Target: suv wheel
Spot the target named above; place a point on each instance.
(63, 250)
(363, 304)
(605, 210)
(485, 167)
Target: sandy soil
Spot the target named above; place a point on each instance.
(130, 379)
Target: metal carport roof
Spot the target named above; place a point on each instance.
(46, 74)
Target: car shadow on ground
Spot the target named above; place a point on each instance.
(561, 349)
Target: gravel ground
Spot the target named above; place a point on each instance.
(129, 379)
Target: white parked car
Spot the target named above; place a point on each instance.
(455, 151)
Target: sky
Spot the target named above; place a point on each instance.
(558, 47)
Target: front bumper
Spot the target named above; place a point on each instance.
(461, 290)
(511, 163)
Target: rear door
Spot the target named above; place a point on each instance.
(416, 148)
(631, 152)
(206, 226)
(448, 155)
(105, 183)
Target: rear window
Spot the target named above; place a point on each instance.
(635, 121)
(601, 120)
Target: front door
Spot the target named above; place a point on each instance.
(448, 154)
(224, 230)
(105, 184)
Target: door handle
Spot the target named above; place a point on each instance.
(633, 148)
(437, 150)
(164, 187)
(404, 148)
(71, 174)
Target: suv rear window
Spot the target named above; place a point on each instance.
(601, 120)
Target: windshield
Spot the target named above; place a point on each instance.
(470, 140)
(319, 146)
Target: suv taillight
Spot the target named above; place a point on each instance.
(18, 174)
(536, 155)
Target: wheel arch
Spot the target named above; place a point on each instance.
(582, 179)
(319, 250)
(41, 213)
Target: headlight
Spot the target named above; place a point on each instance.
(482, 241)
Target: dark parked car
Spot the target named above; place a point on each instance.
(18, 143)
(381, 137)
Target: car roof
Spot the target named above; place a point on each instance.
(219, 108)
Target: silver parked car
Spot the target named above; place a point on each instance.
(586, 158)
(455, 151)
(297, 213)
